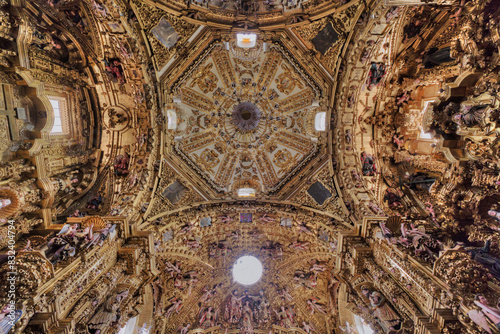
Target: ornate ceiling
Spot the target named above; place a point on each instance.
(195, 261)
(246, 118)
(351, 146)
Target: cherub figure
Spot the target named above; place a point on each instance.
(399, 141)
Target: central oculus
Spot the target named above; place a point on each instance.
(247, 270)
(246, 116)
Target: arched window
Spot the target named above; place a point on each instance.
(171, 119)
(246, 40)
(320, 121)
(59, 108)
(129, 327)
(423, 134)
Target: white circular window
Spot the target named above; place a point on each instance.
(247, 270)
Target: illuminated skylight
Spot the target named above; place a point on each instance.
(320, 121)
(247, 270)
(246, 192)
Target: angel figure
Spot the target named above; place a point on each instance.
(207, 294)
(348, 136)
(266, 219)
(399, 141)
(304, 228)
(68, 229)
(102, 235)
(492, 312)
(494, 212)
(308, 327)
(317, 267)
(248, 318)
(5, 202)
(291, 315)
(262, 312)
(172, 268)
(27, 248)
(184, 330)
(208, 317)
(234, 308)
(282, 318)
(285, 294)
(297, 245)
(313, 305)
(86, 233)
(225, 219)
(415, 231)
(430, 209)
(176, 306)
(187, 228)
(403, 98)
(333, 282)
(347, 329)
(193, 244)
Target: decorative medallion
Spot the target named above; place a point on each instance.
(246, 116)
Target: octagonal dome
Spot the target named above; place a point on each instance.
(243, 118)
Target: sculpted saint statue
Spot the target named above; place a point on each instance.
(108, 312)
(382, 310)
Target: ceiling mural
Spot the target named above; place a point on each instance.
(246, 119)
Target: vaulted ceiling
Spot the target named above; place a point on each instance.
(239, 118)
(224, 128)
